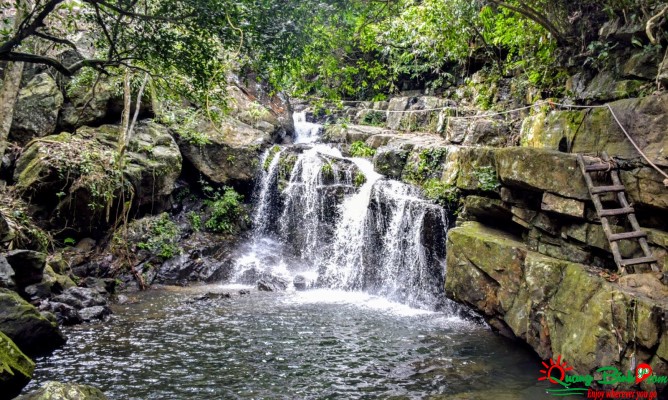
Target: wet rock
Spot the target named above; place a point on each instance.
(213, 296)
(28, 266)
(269, 283)
(299, 282)
(81, 297)
(244, 292)
(94, 313)
(36, 111)
(34, 333)
(103, 286)
(64, 391)
(65, 314)
(17, 367)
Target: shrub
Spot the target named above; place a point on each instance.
(361, 149)
(226, 210)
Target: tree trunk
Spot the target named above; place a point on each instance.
(10, 91)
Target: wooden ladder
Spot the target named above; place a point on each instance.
(625, 209)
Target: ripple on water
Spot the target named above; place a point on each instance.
(310, 345)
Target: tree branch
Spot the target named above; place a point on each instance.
(57, 65)
(56, 39)
(28, 29)
(535, 17)
(651, 22)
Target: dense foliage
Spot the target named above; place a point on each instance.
(436, 43)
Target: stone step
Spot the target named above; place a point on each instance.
(607, 189)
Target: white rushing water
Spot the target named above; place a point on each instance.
(305, 132)
(337, 224)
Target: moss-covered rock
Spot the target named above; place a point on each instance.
(541, 170)
(33, 332)
(74, 180)
(36, 111)
(594, 131)
(557, 307)
(15, 367)
(64, 391)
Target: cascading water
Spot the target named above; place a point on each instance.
(305, 132)
(337, 221)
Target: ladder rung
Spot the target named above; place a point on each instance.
(607, 189)
(598, 167)
(641, 260)
(626, 235)
(616, 211)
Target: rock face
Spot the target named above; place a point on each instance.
(71, 179)
(64, 391)
(593, 131)
(36, 111)
(558, 307)
(231, 156)
(33, 333)
(15, 367)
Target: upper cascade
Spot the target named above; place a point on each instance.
(305, 132)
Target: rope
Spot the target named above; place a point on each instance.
(665, 181)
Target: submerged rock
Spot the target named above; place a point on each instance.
(64, 391)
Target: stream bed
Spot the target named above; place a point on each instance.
(317, 344)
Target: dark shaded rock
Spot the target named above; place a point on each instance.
(65, 314)
(28, 266)
(80, 297)
(34, 333)
(94, 313)
(299, 282)
(270, 283)
(6, 274)
(64, 391)
(16, 370)
(390, 161)
(103, 286)
(36, 111)
(244, 292)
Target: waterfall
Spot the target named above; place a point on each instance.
(336, 221)
(305, 132)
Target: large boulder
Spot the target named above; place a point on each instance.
(15, 367)
(36, 110)
(558, 307)
(64, 391)
(72, 180)
(28, 266)
(594, 131)
(87, 107)
(541, 170)
(231, 153)
(34, 333)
